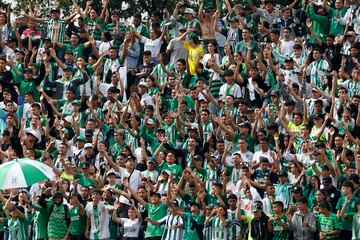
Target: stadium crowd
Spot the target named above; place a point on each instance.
(223, 120)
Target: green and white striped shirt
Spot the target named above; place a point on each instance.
(50, 29)
(352, 86)
(316, 70)
(171, 233)
(234, 227)
(219, 231)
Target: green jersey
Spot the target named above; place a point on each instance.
(58, 220)
(320, 24)
(279, 233)
(327, 224)
(78, 222)
(85, 182)
(350, 210)
(40, 220)
(77, 51)
(155, 212)
(335, 27)
(219, 231)
(175, 170)
(190, 232)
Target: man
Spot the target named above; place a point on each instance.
(129, 172)
(333, 193)
(230, 87)
(207, 25)
(318, 68)
(55, 23)
(283, 189)
(189, 20)
(175, 49)
(58, 213)
(97, 224)
(173, 223)
(302, 223)
(258, 222)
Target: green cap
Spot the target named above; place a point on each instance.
(193, 36)
(80, 138)
(76, 102)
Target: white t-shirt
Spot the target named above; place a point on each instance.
(131, 228)
(152, 45)
(99, 220)
(258, 154)
(286, 47)
(235, 90)
(135, 178)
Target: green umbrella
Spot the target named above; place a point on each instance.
(23, 173)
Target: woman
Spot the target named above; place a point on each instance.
(320, 196)
(132, 224)
(152, 44)
(228, 59)
(212, 54)
(130, 51)
(152, 89)
(311, 189)
(106, 42)
(5, 24)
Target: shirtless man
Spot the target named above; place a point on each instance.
(207, 23)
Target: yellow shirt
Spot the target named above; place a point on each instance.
(294, 128)
(194, 55)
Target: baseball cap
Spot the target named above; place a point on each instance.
(89, 132)
(297, 190)
(282, 174)
(143, 84)
(160, 130)
(190, 11)
(256, 206)
(58, 194)
(88, 145)
(355, 178)
(27, 70)
(68, 119)
(351, 33)
(151, 160)
(80, 138)
(76, 102)
(327, 180)
(84, 165)
(34, 133)
(155, 194)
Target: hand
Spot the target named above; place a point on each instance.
(309, 23)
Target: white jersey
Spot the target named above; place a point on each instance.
(171, 233)
(99, 220)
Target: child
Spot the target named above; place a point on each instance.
(328, 222)
(278, 223)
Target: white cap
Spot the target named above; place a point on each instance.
(34, 133)
(87, 145)
(68, 119)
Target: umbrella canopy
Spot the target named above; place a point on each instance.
(23, 173)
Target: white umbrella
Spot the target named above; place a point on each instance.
(24, 172)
